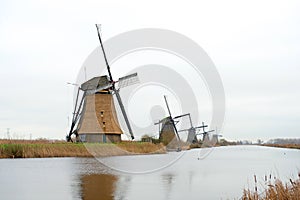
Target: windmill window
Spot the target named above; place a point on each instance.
(82, 138)
(102, 113)
(103, 124)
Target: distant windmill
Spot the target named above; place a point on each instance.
(192, 132)
(205, 133)
(95, 113)
(216, 136)
(167, 127)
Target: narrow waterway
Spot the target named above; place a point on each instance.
(223, 174)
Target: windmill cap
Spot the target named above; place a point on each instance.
(95, 83)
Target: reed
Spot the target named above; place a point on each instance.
(41, 150)
(275, 189)
(142, 147)
(46, 148)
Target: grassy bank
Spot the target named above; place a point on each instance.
(275, 189)
(291, 146)
(45, 148)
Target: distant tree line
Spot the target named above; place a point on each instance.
(284, 141)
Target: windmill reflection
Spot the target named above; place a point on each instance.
(98, 186)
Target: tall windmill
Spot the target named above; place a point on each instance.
(95, 113)
(167, 127)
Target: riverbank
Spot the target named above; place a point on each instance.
(290, 146)
(46, 148)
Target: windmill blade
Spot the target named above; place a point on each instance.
(201, 126)
(190, 120)
(79, 108)
(184, 130)
(175, 128)
(173, 122)
(130, 79)
(177, 135)
(210, 131)
(75, 117)
(75, 104)
(189, 115)
(124, 113)
(102, 47)
(167, 106)
(181, 116)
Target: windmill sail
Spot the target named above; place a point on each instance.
(124, 113)
(76, 116)
(130, 79)
(172, 120)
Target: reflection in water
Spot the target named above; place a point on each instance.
(122, 187)
(98, 186)
(168, 179)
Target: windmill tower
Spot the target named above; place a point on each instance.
(95, 114)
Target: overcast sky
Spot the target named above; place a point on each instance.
(255, 46)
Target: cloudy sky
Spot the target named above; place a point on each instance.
(255, 46)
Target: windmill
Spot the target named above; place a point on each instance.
(192, 132)
(216, 136)
(167, 127)
(205, 133)
(95, 113)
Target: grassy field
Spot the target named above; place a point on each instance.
(45, 148)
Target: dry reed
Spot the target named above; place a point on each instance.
(275, 190)
(46, 148)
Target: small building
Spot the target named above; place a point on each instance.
(146, 138)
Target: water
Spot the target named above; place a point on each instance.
(221, 175)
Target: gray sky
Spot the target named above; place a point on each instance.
(255, 46)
